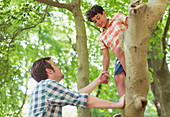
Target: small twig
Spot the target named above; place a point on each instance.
(24, 99)
(98, 92)
(94, 27)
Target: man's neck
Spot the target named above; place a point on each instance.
(54, 79)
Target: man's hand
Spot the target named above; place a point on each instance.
(103, 78)
(122, 102)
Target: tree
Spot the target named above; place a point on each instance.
(159, 68)
(134, 42)
(53, 37)
(81, 45)
(11, 82)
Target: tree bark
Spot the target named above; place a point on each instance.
(155, 100)
(161, 74)
(162, 85)
(81, 47)
(134, 41)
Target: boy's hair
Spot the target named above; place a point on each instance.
(93, 11)
(38, 71)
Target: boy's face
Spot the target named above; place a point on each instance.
(100, 20)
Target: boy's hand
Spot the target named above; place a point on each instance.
(103, 78)
(122, 102)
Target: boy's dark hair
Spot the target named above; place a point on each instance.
(93, 11)
(38, 71)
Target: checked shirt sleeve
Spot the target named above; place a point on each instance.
(102, 44)
(60, 96)
(121, 17)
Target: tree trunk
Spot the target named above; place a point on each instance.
(161, 74)
(162, 85)
(81, 47)
(155, 100)
(134, 41)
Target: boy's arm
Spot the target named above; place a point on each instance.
(102, 78)
(126, 22)
(106, 59)
(100, 103)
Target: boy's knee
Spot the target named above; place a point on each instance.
(120, 78)
(118, 51)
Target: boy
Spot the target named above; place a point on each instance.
(109, 40)
(48, 97)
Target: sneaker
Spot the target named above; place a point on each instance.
(117, 115)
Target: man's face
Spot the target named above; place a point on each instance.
(57, 74)
(100, 20)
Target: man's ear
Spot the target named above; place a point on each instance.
(104, 13)
(49, 71)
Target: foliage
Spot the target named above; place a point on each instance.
(156, 39)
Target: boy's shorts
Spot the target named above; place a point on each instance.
(118, 67)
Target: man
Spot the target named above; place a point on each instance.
(48, 97)
(109, 40)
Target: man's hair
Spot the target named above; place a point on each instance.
(93, 11)
(38, 71)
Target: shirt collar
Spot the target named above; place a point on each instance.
(110, 21)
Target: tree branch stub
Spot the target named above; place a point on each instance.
(137, 8)
(140, 103)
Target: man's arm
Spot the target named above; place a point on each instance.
(106, 59)
(100, 103)
(102, 78)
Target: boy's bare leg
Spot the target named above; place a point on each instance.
(121, 56)
(120, 83)
(122, 60)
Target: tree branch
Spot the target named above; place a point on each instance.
(57, 4)
(99, 88)
(155, 100)
(93, 27)
(24, 99)
(18, 31)
(164, 38)
(70, 40)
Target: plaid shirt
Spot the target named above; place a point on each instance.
(48, 98)
(109, 37)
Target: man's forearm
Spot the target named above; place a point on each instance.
(100, 103)
(89, 88)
